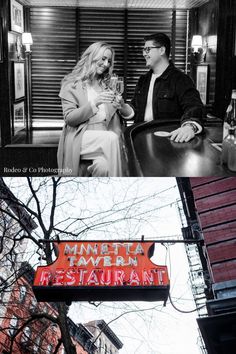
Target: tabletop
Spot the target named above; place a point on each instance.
(150, 155)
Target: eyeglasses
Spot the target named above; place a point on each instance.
(147, 49)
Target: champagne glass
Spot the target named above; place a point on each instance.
(113, 82)
(120, 85)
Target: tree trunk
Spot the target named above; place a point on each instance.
(64, 327)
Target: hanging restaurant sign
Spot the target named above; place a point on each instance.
(102, 271)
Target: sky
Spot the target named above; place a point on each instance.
(143, 327)
(159, 330)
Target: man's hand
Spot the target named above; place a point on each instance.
(182, 134)
(119, 102)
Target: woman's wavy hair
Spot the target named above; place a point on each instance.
(85, 69)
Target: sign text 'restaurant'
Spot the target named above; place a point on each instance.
(102, 264)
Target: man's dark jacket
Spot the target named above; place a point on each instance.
(174, 97)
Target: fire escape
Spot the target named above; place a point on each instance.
(197, 276)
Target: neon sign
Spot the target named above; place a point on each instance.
(102, 271)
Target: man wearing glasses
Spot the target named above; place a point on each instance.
(166, 93)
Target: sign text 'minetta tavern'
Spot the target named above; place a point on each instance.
(104, 254)
(102, 264)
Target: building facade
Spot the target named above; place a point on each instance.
(105, 339)
(25, 325)
(27, 328)
(11, 250)
(210, 204)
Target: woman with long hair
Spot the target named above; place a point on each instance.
(92, 129)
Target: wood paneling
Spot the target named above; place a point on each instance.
(180, 38)
(211, 186)
(53, 56)
(224, 271)
(61, 35)
(226, 58)
(219, 216)
(140, 24)
(220, 232)
(203, 180)
(103, 25)
(215, 202)
(223, 252)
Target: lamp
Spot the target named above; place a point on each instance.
(198, 49)
(196, 43)
(27, 41)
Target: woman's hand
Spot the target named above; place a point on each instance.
(104, 97)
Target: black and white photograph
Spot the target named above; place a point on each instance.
(18, 116)
(97, 99)
(17, 16)
(19, 80)
(202, 81)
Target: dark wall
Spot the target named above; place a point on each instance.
(208, 19)
(226, 56)
(217, 18)
(12, 52)
(4, 87)
(204, 21)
